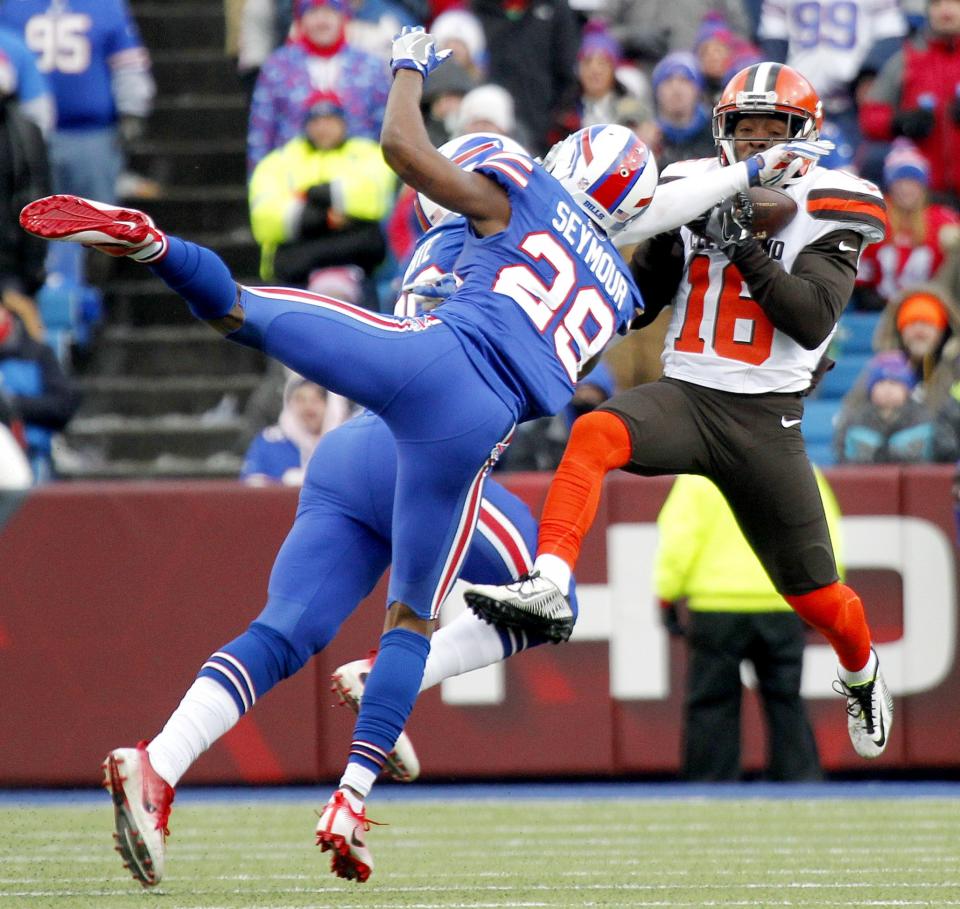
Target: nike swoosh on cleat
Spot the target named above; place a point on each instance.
(847, 248)
(786, 424)
(354, 841)
(883, 734)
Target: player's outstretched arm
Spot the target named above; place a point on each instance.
(408, 150)
(678, 202)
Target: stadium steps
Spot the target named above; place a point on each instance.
(149, 396)
(179, 24)
(125, 438)
(202, 70)
(162, 394)
(171, 350)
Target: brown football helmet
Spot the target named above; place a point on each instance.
(767, 89)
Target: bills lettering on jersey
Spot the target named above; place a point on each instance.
(581, 235)
(719, 336)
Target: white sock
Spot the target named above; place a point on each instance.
(206, 712)
(863, 675)
(553, 568)
(466, 643)
(360, 779)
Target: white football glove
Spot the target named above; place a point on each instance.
(424, 295)
(780, 163)
(415, 49)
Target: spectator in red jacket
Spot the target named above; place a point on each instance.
(917, 95)
(920, 237)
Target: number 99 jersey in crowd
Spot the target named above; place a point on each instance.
(560, 289)
(719, 336)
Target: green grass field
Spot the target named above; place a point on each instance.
(478, 854)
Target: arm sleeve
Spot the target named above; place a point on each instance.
(679, 200)
(806, 302)
(657, 267)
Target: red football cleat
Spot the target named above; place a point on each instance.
(107, 228)
(344, 831)
(141, 805)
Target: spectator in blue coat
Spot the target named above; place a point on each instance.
(279, 453)
(36, 389)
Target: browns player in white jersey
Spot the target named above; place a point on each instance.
(750, 325)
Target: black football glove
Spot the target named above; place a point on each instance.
(730, 223)
(914, 124)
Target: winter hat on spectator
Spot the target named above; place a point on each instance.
(922, 307)
(892, 366)
(449, 79)
(323, 104)
(341, 6)
(677, 63)
(600, 41)
(461, 25)
(487, 102)
(904, 161)
(713, 26)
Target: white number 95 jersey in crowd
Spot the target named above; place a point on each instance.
(718, 335)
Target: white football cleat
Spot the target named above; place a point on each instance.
(108, 228)
(531, 603)
(141, 806)
(343, 831)
(348, 681)
(869, 714)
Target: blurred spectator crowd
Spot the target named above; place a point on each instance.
(76, 90)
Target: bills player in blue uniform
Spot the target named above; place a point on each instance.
(543, 291)
(338, 548)
(99, 71)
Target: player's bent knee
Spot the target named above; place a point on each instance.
(600, 436)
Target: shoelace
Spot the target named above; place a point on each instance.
(525, 578)
(365, 821)
(859, 701)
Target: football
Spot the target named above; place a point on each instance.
(773, 210)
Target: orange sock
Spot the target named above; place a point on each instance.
(837, 613)
(599, 442)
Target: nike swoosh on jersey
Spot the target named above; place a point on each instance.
(786, 424)
(844, 248)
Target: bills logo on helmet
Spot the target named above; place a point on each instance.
(610, 173)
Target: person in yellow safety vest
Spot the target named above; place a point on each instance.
(733, 614)
(317, 201)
